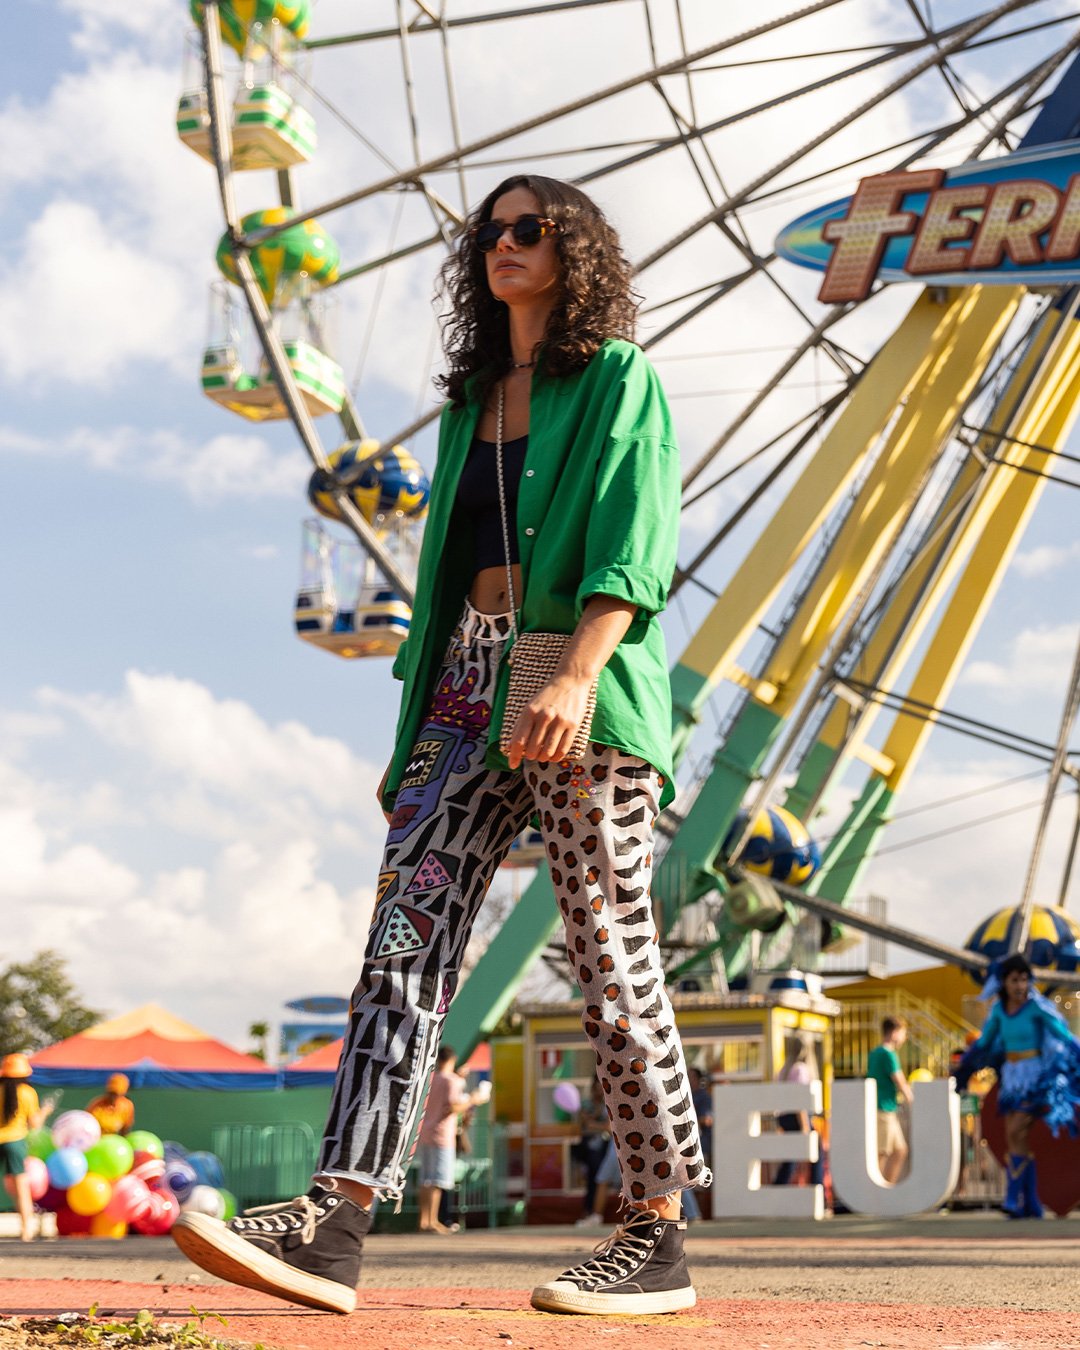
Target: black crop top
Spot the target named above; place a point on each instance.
(478, 499)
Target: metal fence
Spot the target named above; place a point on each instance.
(264, 1164)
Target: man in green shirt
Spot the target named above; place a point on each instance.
(883, 1066)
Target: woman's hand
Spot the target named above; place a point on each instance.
(381, 789)
(546, 728)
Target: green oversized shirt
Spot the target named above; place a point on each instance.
(597, 514)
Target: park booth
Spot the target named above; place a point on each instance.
(736, 1038)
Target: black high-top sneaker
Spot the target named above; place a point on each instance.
(640, 1268)
(307, 1250)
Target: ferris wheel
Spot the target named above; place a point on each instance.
(857, 471)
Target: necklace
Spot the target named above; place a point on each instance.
(522, 365)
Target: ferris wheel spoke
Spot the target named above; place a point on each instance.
(744, 114)
(462, 21)
(415, 174)
(927, 63)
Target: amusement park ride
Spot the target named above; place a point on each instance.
(897, 501)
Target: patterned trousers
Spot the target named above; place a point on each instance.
(453, 824)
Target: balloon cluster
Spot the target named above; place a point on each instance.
(103, 1184)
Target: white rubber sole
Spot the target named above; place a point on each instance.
(216, 1249)
(562, 1297)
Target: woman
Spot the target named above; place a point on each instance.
(800, 1066)
(1037, 1060)
(20, 1112)
(590, 1151)
(541, 368)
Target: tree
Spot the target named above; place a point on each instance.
(39, 1004)
(260, 1034)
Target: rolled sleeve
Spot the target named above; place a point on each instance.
(398, 668)
(632, 536)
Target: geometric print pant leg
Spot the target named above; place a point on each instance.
(453, 824)
(597, 816)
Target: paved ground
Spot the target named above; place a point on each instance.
(955, 1282)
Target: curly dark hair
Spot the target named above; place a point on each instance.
(596, 297)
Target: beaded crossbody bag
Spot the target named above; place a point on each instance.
(534, 657)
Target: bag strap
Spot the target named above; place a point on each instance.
(500, 408)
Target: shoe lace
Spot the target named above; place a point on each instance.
(301, 1213)
(629, 1244)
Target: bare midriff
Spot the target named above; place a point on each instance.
(488, 592)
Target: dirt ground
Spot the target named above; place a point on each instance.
(949, 1283)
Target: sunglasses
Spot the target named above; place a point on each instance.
(526, 230)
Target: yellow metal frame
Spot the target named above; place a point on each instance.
(932, 327)
(964, 346)
(1044, 401)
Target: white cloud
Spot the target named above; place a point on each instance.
(82, 305)
(179, 728)
(226, 466)
(945, 885)
(33, 872)
(272, 825)
(100, 23)
(1037, 661)
(1044, 559)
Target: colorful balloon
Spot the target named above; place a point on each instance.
(111, 1157)
(160, 1217)
(180, 1178)
(70, 1224)
(130, 1200)
(39, 1143)
(76, 1129)
(205, 1200)
(146, 1145)
(89, 1196)
(102, 1226)
(567, 1097)
(207, 1168)
(66, 1167)
(54, 1199)
(38, 1176)
(231, 1205)
(151, 1172)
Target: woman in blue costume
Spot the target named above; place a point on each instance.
(1037, 1060)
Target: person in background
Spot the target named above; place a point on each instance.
(437, 1153)
(800, 1066)
(20, 1112)
(1037, 1060)
(701, 1096)
(590, 1151)
(883, 1066)
(114, 1110)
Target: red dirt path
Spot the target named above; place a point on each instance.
(430, 1318)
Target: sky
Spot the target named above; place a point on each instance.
(187, 805)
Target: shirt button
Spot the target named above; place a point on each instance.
(530, 473)
(530, 531)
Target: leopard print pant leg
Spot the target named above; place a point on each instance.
(597, 818)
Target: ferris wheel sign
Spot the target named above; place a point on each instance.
(1010, 220)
